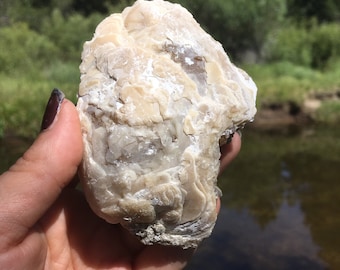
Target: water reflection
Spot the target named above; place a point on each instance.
(238, 242)
(280, 205)
(280, 208)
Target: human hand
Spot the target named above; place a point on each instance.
(45, 223)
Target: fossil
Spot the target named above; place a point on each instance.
(156, 95)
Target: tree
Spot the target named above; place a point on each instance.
(323, 11)
(240, 25)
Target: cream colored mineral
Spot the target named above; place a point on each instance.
(156, 95)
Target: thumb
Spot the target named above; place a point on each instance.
(35, 181)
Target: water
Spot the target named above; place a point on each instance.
(280, 208)
(281, 202)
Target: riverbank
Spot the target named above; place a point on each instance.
(290, 94)
(319, 108)
(287, 95)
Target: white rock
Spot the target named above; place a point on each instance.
(156, 95)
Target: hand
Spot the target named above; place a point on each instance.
(229, 151)
(45, 223)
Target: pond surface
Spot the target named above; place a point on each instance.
(280, 204)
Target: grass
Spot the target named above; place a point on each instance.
(23, 95)
(329, 112)
(282, 82)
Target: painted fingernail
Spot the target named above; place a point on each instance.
(52, 108)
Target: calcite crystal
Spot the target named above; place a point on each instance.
(156, 95)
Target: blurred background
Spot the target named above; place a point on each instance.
(280, 208)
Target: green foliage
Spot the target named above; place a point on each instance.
(323, 11)
(325, 44)
(117, 6)
(287, 82)
(63, 73)
(22, 49)
(240, 25)
(23, 11)
(290, 44)
(20, 114)
(315, 47)
(69, 34)
(259, 27)
(23, 99)
(41, 43)
(329, 112)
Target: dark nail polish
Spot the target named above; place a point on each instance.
(52, 108)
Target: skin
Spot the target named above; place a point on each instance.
(45, 223)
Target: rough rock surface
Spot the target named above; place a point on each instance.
(156, 95)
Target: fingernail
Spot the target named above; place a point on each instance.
(52, 108)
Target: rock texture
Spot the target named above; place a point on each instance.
(156, 95)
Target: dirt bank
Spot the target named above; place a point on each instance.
(291, 113)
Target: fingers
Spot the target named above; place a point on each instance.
(31, 185)
(218, 205)
(229, 151)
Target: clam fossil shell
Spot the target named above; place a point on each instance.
(156, 95)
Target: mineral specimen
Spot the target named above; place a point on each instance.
(156, 95)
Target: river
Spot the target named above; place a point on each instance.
(280, 205)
